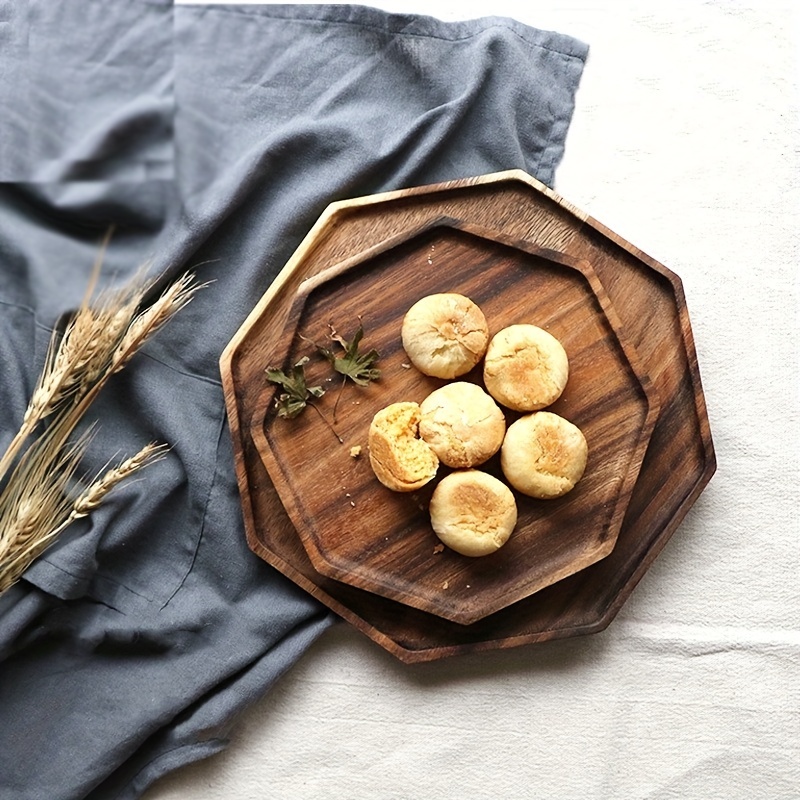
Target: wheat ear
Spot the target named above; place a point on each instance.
(76, 359)
(149, 321)
(95, 492)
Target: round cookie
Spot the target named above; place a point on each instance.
(400, 460)
(543, 455)
(525, 368)
(473, 512)
(462, 424)
(444, 335)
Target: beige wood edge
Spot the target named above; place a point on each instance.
(329, 215)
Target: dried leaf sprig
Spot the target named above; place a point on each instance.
(358, 367)
(297, 395)
(37, 471)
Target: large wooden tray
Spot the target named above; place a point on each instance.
(649, 301)
(357, 531)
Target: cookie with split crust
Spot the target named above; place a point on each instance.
(462, 423)
(543, 455)
(444, 335)
(526, 368)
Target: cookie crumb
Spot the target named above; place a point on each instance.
(439, 548)
(355, 451)
(405, 366)
(446, 585)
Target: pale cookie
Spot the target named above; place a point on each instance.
(444, 335)
(526, 368)
(400, 459)
(543, 455)
(473, 512)
(462, 424)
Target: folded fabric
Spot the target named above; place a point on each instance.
(86, 90)
(130, 646)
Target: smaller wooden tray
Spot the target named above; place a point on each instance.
(360, 533)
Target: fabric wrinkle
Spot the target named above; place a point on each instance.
(144, 632)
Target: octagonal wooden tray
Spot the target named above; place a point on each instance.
(357, 531)
(649, 301)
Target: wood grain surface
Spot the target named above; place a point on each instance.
(649, 302)
(357, 531)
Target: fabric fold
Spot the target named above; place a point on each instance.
(134, 642)
(86, 90)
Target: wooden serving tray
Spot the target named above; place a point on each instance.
(357, 531)
(648, 300)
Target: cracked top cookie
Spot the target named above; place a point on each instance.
(525, 368)
(462, 424)
(445, 335)
(543, 455)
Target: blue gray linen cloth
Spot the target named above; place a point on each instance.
(212, 137)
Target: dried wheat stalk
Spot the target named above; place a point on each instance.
(37, 471)
(33, 504)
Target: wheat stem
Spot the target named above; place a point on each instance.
(35, 501)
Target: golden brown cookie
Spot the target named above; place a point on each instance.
(445, 335)
(473, 512)
(400, 459)
(543, 455)
(526, 368)
(462, 424)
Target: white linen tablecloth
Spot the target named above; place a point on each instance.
(685, 142)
